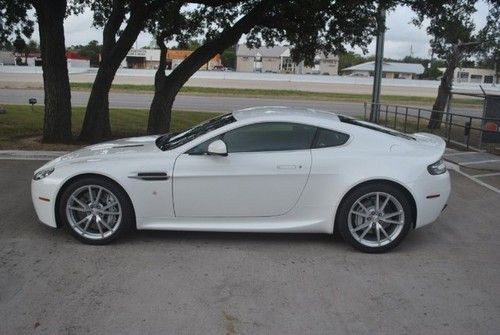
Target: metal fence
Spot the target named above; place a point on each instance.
(462, 130)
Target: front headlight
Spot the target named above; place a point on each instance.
(42, 174)
(437, 168)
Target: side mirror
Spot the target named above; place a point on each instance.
(217, 148)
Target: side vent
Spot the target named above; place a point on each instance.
(150, 176)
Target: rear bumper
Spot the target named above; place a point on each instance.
(431, 196)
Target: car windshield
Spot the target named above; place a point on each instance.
(171, 141)
(375, 127)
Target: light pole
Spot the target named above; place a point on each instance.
(379, 57)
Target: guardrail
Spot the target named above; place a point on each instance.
(463, 130)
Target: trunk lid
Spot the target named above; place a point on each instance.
(431, 141)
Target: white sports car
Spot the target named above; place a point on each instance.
(265, 169)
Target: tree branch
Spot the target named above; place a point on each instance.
(225, 39)
(112, 26)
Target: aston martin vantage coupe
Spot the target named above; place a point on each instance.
(263, 169)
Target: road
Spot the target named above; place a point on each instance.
(442, 280)
(195, 102)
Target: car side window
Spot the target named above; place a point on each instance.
(329, 138)
(270, 136)
(202, 148)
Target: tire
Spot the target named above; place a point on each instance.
(98, 216)
(373, 229)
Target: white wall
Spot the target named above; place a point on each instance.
(79, 63)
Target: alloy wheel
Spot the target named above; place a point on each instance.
(94, 212)
(376, 219)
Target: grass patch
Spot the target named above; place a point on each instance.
(289, 94)
(22, 128)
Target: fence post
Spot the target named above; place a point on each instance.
(418, 120)
(406, 119)
(395, 117)
(467, 131)
(364, 114)
(386, 113)
(450, 121)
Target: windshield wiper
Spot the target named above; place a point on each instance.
(163, 140)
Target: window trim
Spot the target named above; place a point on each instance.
(316, 139)
(221, 137)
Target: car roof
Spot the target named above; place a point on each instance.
(276, 113)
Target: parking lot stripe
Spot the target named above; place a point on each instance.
(486, 175)
(456, 168)
(481, 162)
(460, 153)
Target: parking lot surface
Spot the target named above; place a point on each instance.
(443, 279)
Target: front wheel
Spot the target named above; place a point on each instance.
(95, 210)
(375, 218)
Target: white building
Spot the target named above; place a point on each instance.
(473, 75)
(7, 58)
(390, 70)
(143, 58)
(277, 60)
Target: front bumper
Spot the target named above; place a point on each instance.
(431, 196)
(43, 195)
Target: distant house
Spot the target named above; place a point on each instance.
(391, 70)
(277, 60)
(473, 75)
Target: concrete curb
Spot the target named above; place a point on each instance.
(30, 155)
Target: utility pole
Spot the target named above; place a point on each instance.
(495, 69)
(379, 57)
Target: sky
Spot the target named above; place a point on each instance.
(401, 37)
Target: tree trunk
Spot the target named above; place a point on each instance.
(96, 124)
(444, 91)
(165, 94)
(159, 117)
(57, 118)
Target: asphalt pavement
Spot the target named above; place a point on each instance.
(443, 279)
(199, 103)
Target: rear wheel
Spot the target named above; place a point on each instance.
(375, 218)
(95, 210)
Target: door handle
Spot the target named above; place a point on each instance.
(287, 167)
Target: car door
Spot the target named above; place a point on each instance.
(264, 173)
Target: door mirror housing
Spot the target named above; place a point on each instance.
(217, 148)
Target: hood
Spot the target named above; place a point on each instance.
(117, 149)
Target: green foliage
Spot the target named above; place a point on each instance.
(416, 60)
(489, 52)
(19, 44)
(432, 72)
(228, 57)
(91, 51)
(350, 58)
(14, 20)
(312, 26)
(191, 44)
